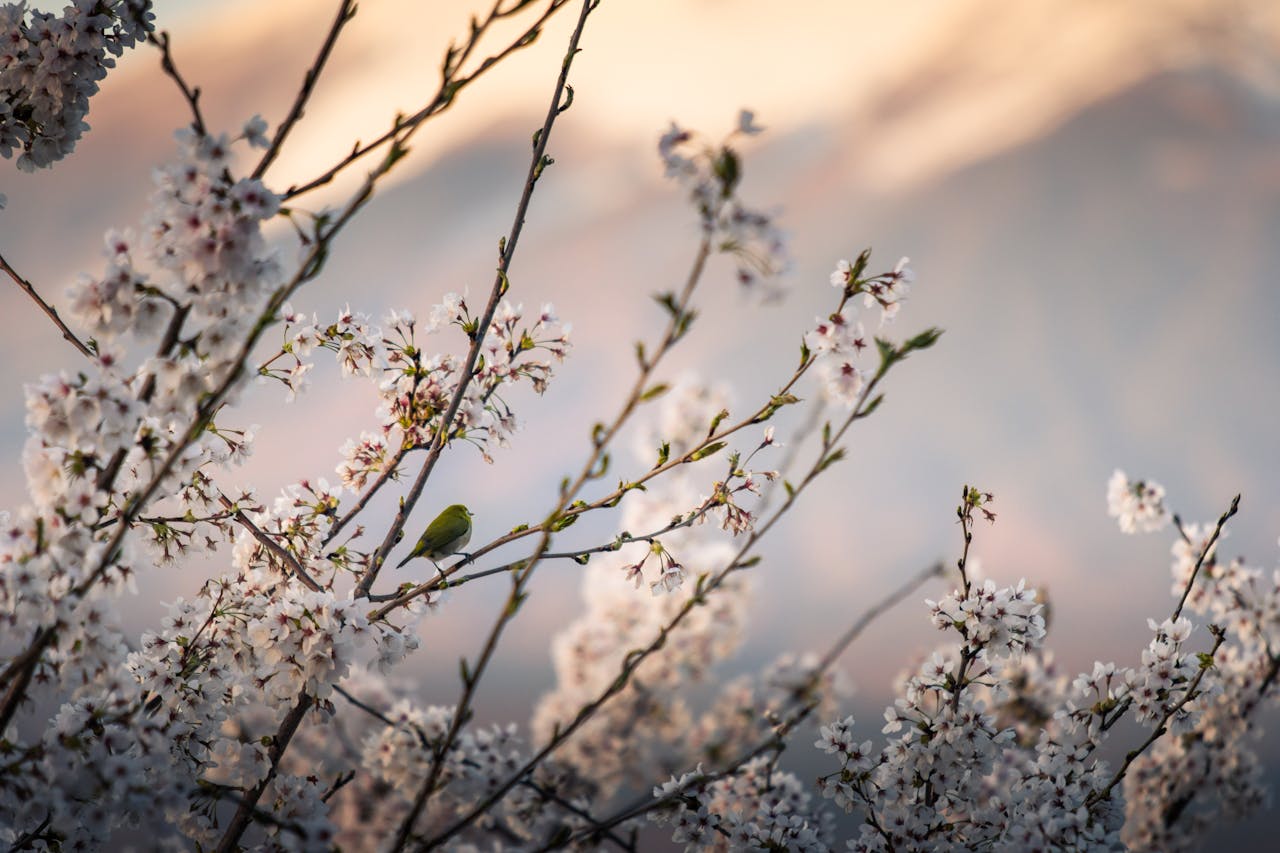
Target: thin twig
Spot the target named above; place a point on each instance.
(390, 472)
(644, 805)
(449, 88)
(537, 163)
(633, 660)
(499, 287)
(446, 580)
(1204, 553)
(346, 11)
(48, 309)
(270, 544)
(192, 95)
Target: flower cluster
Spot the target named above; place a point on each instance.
(355, 342)
(711, 174)
(992, 744)
(417, 389)
(1002, 621)
(838, 339)
(102, 438)
(756, 808)
(50, 67)
(637, 736)
(401, 755)
(203, 237)
(751, 707)
(1138, 505)
(1187, 785)
(115, 449)
(952, 777)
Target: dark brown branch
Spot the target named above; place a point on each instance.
(449, 88)
(249, 805)
(1204, 553)
(346, 11)
(290, 562)
(192, 95)
(48, 309)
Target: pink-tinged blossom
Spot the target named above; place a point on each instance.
(255, 132)
(710, 173)
(50, 66)
(1138, 505)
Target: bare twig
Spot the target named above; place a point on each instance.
(192, 95)
(450, 85)
(1204, 553)
(346, 11)
(48, 309)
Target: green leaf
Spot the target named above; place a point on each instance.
(683, 322)
(831, 459)
(519, 527)
(668, 301)
(888, 352)
(568, 101)
(777, 401)
(562, 522)
(664, 453)
(780, 400)
(860, 265)
(655, 391)
(729, 170)
(716, 421)
(709, 450)
(602, 466)
(924, 340)
(582, 559)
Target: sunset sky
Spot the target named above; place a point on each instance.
(1090, 201)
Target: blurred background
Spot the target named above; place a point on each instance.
(1089, 194)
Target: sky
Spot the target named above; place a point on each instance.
(1090, 203)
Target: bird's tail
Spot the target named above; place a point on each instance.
(405, 560)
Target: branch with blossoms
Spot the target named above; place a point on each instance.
(260, 710)
(677, 796)
(707, 584)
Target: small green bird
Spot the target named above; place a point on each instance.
(448, 534)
